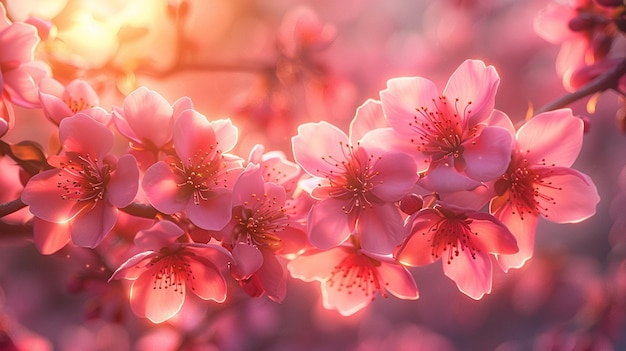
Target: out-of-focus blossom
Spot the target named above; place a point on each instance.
(463, 240)
(198, 179)
(19, 73)
(586, 31)
(167, 269)
(449, 134)
(357, 185)
(60, 101)
(351, 278)
(302, 32)
(87, 185)
(262, 227)
(540, 182)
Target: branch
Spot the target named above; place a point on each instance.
(608, 80)
(12, 206)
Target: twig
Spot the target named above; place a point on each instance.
(608, 80)
(11, 206)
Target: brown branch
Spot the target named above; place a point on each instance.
(608, 80)
(12, 206)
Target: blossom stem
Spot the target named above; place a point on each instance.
(608, 80)
(30, 167)
(12, 206)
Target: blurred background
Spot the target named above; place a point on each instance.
(269, 66)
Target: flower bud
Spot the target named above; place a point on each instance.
(582, 22)
(411, 203)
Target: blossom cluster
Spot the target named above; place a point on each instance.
(422, 175)
(405, 187)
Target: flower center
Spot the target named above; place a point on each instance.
(82, 179)
(357, 271)
(526, 187)
(200, 174)
(354, 178)
(442, 131)
(171, 271)
(259, 226)
(451, 235)
(76, 105)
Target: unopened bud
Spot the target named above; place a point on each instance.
(411, 203)
(582, 22)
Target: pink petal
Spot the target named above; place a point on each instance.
(134, 266)
(124, 182)
(492, 236)
(18, 43)
(249, 186)
(79, 90)
(417, 249)
(50, 237)
(45, 201)
(180, 105)
(21, 88)
(402, 97)
(157, 304)
(217, 255)
(248, 260)
(551, 23)
(501, 119)
(162, 234)
(318, 147)
(82, 134)
(316, 265)
(398, 281)
(90, 227)
(4, 20)
(123, 127)
(574, 196)
(476, 83)
(380, 228)
(328, 226)
(206, 282)
(292, 238)
(388, 140)
(524, 232)
(472, 275)
(143, 104)
(551, 138)
(444, 178)
(369, 116)
(396, 174)
(346, 301)
(488, 155)
(226, 134)
(54, 108)
(193, 137)
(214, 213)
(273, 277)
(161, 188)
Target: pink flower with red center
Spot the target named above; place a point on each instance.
(60, 101)
(357, 185)
(540, 182)
(167, 269)
(198, 179)
(463, 240)
(450, 134)
(263, 225)
(351, 278)
(86, 185)
(18, 72)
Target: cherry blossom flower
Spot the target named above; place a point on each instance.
(198, 179)
(585, 32)
(60, 101)
(463, 240)
(351, 278)
(357, 185)
(86, 185)
(167, 269)
(450, 134)
(275, 167)
(262, 226)
(18, 72)
(143, 104)
(540, 182)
